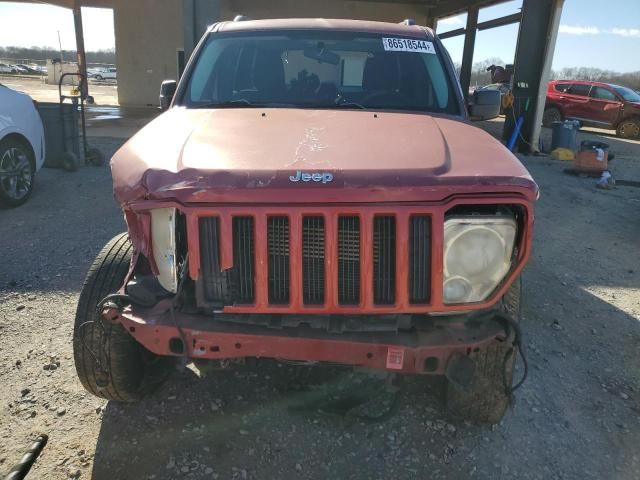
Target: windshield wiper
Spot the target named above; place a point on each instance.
(238, 103)
(336, 105)
(351, 105)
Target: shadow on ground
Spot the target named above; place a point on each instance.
(239, 422)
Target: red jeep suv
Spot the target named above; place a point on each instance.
(313, 193)
(594, 104)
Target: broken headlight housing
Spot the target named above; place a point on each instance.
(477, 256)
(163, 239)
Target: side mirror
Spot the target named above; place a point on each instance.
(167, 91)
(485, 104)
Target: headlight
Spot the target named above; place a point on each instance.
(477, 256)
(163, 239)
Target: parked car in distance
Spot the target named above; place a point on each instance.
(20, 69)
(4, 68)
(105, 74)
(594, 104)
(22, 146)
(27, 69)
(314, 192)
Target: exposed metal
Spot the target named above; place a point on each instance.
(206, 337)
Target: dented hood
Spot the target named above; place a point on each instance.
(256, 155)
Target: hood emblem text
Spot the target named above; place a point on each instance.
(324, 177)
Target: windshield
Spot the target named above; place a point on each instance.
(628, 94)
(319, 69)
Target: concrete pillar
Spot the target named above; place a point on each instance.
(467, 54)
(431, 20)
(198, 15)
(534, 54)
(81, 55)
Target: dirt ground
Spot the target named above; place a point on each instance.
(576, 417)
(104, 93)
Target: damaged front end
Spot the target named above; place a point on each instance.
(359, 285)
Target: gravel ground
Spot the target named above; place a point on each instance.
(577, 416)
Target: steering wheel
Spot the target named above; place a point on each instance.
(395, 97)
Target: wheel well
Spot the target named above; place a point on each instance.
(553, 105)
(22, 140)
(635, 118)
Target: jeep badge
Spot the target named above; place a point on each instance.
(324, 177)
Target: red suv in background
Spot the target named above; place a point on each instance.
(594, 104)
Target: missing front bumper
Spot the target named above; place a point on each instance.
(425, 351)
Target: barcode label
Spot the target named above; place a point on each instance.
(395, 358)
(407, 45)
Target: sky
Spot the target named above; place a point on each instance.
(593, 33)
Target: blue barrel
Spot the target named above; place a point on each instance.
(564, 135)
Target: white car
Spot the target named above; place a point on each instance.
(106, 74)
(22, 146)
(4, 68)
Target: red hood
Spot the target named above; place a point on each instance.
(248, 155)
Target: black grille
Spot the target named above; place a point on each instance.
(349, 260)
(313, 260)
(243, 259)
(215, 284)
(278, 239)
(419, 259)
(384, 260)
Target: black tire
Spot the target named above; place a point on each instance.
(110, 363)
(70, 161)
(17, 157)
(98, 77)
(629, 128)
(487, 400)
(551, 114)
(94, 157)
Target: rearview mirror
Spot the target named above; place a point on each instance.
(485, 104)
(167, 91)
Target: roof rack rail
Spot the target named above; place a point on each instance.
(240, 18)
(408, 21)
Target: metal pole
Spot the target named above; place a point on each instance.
(82, 57)
(467, 55)
(61, 60)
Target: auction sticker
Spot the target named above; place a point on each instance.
(408, 45)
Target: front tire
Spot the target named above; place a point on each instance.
(551, 114)
(629, 128)
(16, 173)
(486, 399)
(95, 157)
(109, 362)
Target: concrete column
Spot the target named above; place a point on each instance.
(82, 57)
(534, 54)
(467, 54)
(431, 20)
(546, 74)
(198, 15)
